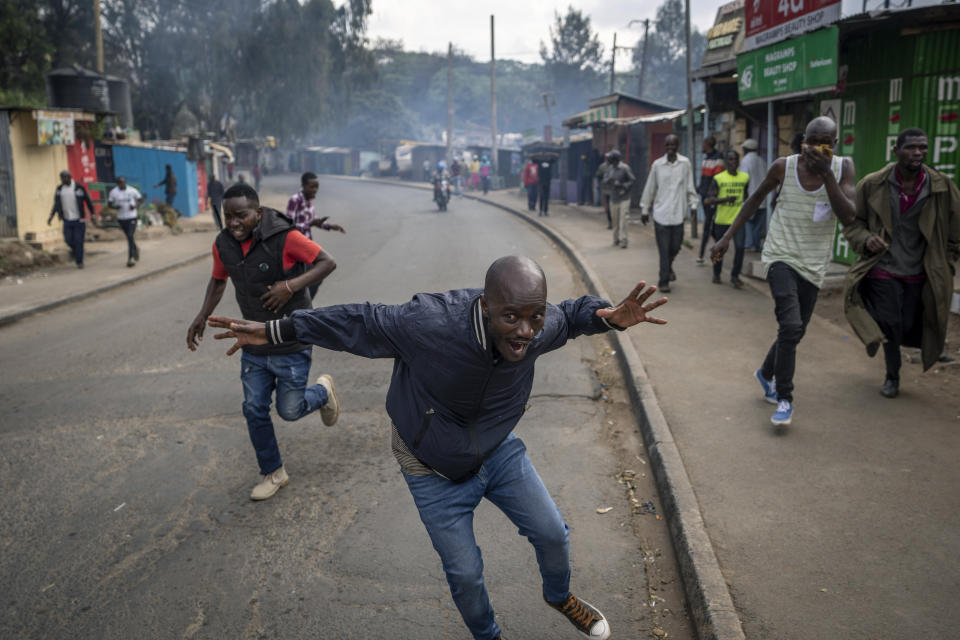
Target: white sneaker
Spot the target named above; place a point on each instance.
(330, 412)
(270, 484)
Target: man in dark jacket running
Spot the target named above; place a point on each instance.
(462, 375)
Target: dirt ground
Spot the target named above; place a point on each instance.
(941, 380)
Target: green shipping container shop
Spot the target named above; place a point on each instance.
(897, 71)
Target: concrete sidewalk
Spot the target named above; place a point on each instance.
(842, 525)
(105, 268)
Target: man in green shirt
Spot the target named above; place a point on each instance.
(727, 192)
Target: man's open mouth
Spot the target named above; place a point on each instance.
(517, 347)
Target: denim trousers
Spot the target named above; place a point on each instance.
(669, 242)
(738, 249)
(287, 373)
(756, 230)
(508, 480)
(74, 232)
(129, 229)
(794, 299)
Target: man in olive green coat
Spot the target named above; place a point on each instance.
(907, 232)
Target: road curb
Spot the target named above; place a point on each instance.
(708, 596)
(10, 318)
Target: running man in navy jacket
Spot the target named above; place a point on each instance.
(462, 375)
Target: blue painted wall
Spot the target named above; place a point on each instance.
(145, 166)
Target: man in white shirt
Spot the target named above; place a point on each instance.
(127, 200)
(68, 202)
(668, 195)
(754, 166)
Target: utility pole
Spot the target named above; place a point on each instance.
(98, 36)
(493, 100)
(450, 104)
(686, 16)
(613, 64)
(643, 57)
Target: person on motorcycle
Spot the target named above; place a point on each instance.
(438, 177)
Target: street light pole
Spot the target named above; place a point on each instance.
(493, 100)
(693, 216)
(98, 35)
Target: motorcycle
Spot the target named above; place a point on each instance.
(441, 192)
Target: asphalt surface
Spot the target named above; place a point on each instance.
(126, 465)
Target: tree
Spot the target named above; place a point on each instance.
(666, 72)
(26, 54)
(573, 63)
(573, 45)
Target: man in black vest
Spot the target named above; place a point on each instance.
(271, 265)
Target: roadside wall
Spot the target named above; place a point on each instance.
(145, 166)
(36, 171)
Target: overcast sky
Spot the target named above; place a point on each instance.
(428, 25)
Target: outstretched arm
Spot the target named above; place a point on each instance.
(367, 330)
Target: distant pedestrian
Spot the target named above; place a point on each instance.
(475, 172)
(485, 174)
(753, 165)
(604, 196)
(256, 177)
(229, 171)
(68, 201)
(271, 266)
(531, 183)
(668, 195)
(463, 369)
(300, 209)
(727, 194)
(544, 176)
(241, 179)
(456, 171)
(711, 166)
(907, 232)
(169, 183)
(215, 199)
(127, 201)
(618, 181)
(814, 187)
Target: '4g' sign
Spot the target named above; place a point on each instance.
(770, 21)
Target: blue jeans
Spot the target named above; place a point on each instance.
(508, 480)
(74, 232)
(287, 373)
(756, 230)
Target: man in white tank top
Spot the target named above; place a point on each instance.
(814, 187)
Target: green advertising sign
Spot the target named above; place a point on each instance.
(807, 62)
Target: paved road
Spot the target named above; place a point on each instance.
(126, 466)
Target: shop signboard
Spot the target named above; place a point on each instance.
(801, 64)
(770, 21)
(54, 127)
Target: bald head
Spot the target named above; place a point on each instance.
(512, 276)
(514, 301)
(821, 127)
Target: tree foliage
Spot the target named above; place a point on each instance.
(665, 77)
(573, 63)
(26, 54)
